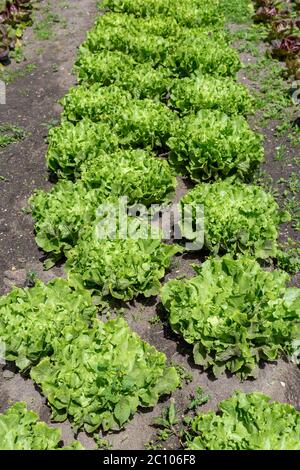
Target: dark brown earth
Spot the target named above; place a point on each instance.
(32, 104)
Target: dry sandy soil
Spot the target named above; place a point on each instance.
(32, 103)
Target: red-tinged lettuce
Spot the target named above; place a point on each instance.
(265, 14)
(286, 47)
(15, 15)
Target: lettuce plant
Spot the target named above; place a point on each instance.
(21, 430)
(102, 376)
(114, 67)
(60, 214)
(137, 174)
(95, 102)
(238, 218)
(117, 264)
(136, 122)
(71, 144)
(191, 13)
(246, 422)
(198, 92)
(202, 50)
(210, 144)
(32, 319)
(207, 53)
(234, 314)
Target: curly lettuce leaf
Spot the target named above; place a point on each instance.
(119, 69)
(71, 144)
(192, 13)
(61, 213)
(139, 123)
(137, 174)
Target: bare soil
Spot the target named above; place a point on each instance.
(32, 103)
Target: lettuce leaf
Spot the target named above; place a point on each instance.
(70, 145)
(114, 67)
(192, 13)
(137, 174)
(61, 213)
(136, 122)
(160, 43)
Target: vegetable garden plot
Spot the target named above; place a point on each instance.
(21, 430)
(102, 376)
(235, 314)
(155, 78)
(246, 422)
(238, 218)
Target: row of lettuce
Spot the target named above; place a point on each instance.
(157, 97)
